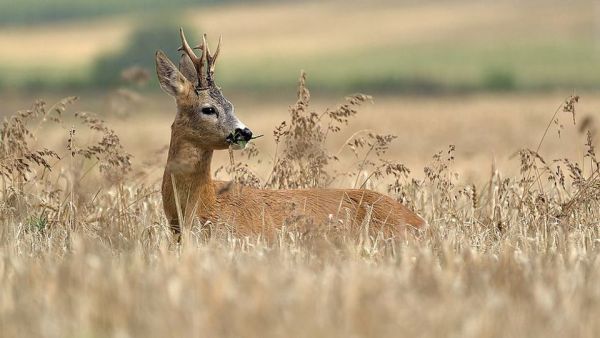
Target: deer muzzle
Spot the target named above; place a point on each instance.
(239, 138)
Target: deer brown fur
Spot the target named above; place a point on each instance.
(205, 122)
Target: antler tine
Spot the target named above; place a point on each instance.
(213, 60)
(187, 49)
(210, 58)
(206, 55)
(205, 49)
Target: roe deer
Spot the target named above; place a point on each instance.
(205, 122)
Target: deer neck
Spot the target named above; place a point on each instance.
(187, 180)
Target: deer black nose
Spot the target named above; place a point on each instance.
(245, 134)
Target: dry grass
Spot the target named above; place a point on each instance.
(85, 250)
(484, 128)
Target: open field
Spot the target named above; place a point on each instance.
(431, 46)
(506, 254)
(481, 98)
(484, 128)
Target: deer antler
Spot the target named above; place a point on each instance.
(208, 60)
(198, 62)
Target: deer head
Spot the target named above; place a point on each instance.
(204, 116)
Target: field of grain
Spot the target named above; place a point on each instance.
(507, 177)
(381, 45)
(485, 128)
(85, 249)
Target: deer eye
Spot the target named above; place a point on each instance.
(209, 111)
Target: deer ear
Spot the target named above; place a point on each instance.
(171, 80)
(186, 67)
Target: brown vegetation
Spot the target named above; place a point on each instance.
(85, 249)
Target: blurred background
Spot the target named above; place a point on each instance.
(483, 75)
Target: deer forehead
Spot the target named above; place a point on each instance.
(210, 97)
